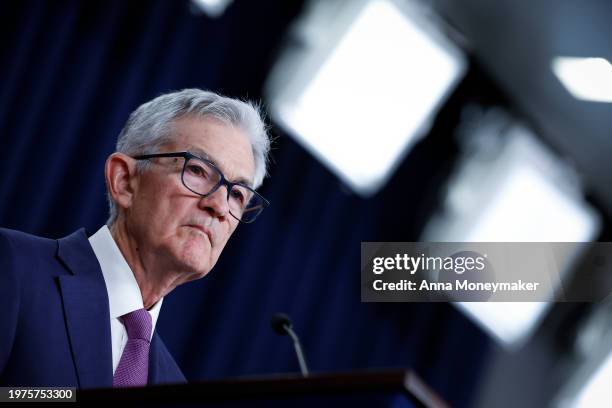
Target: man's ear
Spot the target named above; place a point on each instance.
(121, 178)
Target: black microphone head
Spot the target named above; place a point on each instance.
(279, 322)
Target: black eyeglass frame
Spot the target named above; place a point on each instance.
(222, 180)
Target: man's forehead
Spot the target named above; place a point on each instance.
(225, 145)
(235, 178)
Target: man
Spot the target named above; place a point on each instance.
(81, 311)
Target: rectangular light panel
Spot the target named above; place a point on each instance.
(526, 208)
(372, 96)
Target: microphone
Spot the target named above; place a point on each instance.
(281, 324)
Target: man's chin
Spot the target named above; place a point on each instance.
(192, 275)
(193, 258)
(194, 266)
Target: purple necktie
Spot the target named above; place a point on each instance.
(133, 368)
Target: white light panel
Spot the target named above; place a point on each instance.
(596, 393)
(372, 97)
(588, 79)
(526, 208)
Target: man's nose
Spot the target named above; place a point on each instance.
(216, 203)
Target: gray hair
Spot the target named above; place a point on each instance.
(150, 126)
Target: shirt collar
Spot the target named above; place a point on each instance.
(123, 292)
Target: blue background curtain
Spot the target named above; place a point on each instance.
(70, 74)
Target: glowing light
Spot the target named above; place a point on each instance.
(585, 78)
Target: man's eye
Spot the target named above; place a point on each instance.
(238, 195)
(197, 170)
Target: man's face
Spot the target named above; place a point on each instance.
(183, 231)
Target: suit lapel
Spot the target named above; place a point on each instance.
(86, 310)
(154, 370)
(162, 367)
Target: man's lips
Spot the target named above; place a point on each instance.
(204, 230)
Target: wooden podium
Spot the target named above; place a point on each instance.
(395, 388)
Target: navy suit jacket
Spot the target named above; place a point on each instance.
(54, 316)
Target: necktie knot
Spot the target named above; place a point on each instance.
(138, 324)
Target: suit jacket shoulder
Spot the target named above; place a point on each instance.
(55, 325)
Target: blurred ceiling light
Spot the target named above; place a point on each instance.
(590, 373)
(212, 8)
(528, 207)
(363, 86)
(589, 79)
(508, 322)
(525, 208)
(596, 392)
(515, 192)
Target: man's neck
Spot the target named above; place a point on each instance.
(153, 284)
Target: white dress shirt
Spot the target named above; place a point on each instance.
(123, 292)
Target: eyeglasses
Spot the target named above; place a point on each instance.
(203, 178)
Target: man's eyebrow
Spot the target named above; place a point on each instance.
(202, 154)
